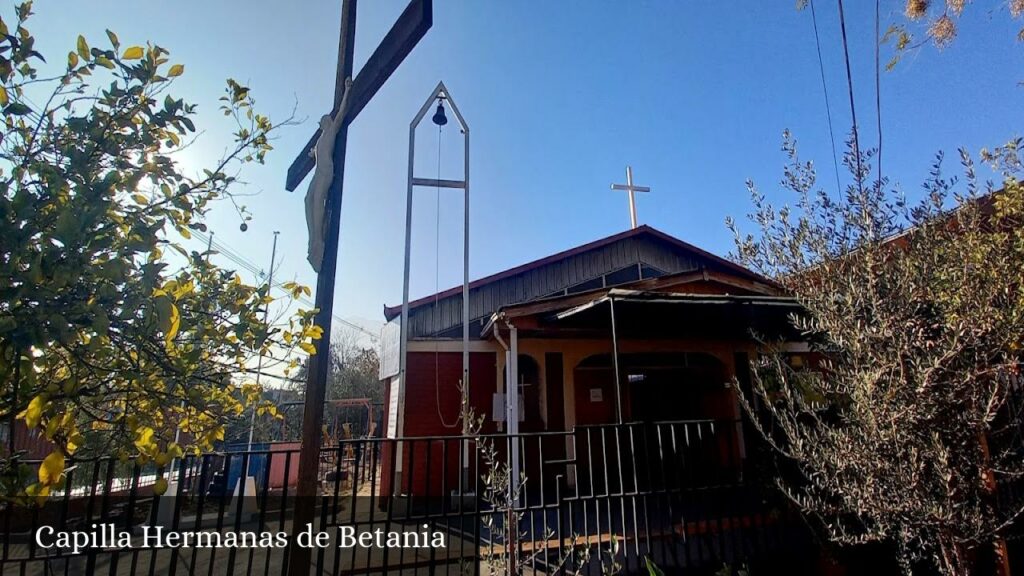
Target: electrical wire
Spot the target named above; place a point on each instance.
(824, 89)
(878, 88)
(246, 264)
(853, 108)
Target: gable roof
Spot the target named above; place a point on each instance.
(391, 312)
(693, 284)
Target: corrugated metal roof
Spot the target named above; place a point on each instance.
(599, 264)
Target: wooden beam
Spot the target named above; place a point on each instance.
(307, 477)
(410, 27)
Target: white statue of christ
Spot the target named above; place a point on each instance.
(316, 195)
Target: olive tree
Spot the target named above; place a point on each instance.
(937, 22)
(113, 335)
(916, 312)
(917, 23)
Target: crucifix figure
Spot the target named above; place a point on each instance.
(326, 151)
(320, 184)
(629, 187)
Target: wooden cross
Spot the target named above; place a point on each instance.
(629, 187)
(407, 31)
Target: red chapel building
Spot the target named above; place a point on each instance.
(635, 327)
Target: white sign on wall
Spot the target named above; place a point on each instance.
(393, 409)
(498, 407)
(390, 345)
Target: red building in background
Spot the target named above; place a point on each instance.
(635, 327)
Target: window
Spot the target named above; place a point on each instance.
(584, 286)
(627, 274)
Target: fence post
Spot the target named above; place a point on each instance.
(512, 537)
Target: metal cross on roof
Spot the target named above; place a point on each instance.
(629, 187)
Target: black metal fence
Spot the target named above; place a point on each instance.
(595, 500)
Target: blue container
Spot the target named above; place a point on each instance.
(257, 464)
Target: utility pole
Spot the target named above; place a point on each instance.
(177, 430)
(259, 362)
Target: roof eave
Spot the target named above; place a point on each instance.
(392, 312)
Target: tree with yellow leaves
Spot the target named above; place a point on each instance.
(112, 334)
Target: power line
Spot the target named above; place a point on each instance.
(248, 265)
(878, 88)
(243, 262)
(824, 88)
(853, 109)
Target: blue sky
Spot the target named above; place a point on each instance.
(560, 97)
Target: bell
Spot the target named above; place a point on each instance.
(439, 118)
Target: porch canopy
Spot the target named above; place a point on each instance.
(652, 315)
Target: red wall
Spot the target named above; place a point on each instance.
(32, 442)
(289, 458)
(431, 467)
(588, 412)
(433, 386)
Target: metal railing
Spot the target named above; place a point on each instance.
(597, 499)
